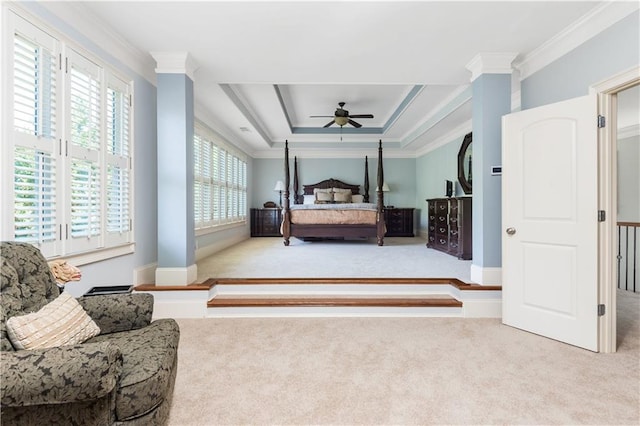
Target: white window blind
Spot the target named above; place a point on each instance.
(118, 180)
(220, 191)
(70, 149)
(34, 145)
(86, 143)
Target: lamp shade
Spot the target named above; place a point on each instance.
(279, 186)
(385, 187)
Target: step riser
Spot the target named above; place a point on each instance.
(322, 311)
(333, 289)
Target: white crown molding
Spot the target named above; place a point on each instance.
(456, 133)
(332, 153)
(451, 103)
(76, 15)
(175, 63)
(592, 23)
(491, 63)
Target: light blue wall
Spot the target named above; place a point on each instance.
(612, 51)
(432, 170)
(629, 179)
(399, 174)
(491, 100)
(176, 235)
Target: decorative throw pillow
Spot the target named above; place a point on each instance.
(60, 322)
(321, 190)
(341, 190)
(326, 197)
(342, 197)
(357, 198)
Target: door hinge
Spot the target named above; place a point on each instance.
(601, 121)
(601, 309)
(601, 216)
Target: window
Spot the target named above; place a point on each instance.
(220, 182)
(69, 149)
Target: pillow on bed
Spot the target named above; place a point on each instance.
(341, 190)
(308, 199)
(323, 197)
(342, 197)
(357, 198)
(322, 190)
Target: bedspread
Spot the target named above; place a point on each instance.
(333, 214)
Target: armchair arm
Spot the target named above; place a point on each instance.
(59, 375)
(119, 312)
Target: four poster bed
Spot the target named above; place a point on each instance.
(332, 208)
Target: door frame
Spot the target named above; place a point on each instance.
(607, 91)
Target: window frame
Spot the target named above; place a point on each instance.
(223, 180)
(107, 245)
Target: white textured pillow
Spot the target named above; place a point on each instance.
(341, 190)
(60, 322)
(309, 199)
(357, 198)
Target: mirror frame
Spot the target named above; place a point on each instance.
(465, 182)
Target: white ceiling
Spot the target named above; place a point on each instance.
(267, 66)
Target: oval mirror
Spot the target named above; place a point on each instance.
(465, 156)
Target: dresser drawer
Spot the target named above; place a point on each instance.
(449, 227)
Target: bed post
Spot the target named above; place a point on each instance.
(286, 214)
(296, 187)
(366, 179)
(381, 228)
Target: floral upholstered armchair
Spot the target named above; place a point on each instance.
(124, 374)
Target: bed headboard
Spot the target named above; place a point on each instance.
(331, 183)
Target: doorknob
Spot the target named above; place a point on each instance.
(511, 231)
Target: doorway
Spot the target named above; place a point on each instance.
(627, 208)
(610, 92)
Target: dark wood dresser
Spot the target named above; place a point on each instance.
(450, 226)
(266, 222)
(399, 222)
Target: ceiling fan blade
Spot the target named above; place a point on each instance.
(321, 116)
(329, 123)
(362, 116)
(354, 124)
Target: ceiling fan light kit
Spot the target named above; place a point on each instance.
(341, 117)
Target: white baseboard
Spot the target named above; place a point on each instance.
(177, 276)
(203, 252)
(486, 276)
(145, 274)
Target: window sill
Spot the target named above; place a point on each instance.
(79, 259)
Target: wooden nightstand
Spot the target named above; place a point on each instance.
(266, 222)
(399, 222)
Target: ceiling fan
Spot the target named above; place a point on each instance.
(342, 117)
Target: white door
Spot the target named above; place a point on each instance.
(550, 221)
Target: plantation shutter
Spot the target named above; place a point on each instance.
(197, 180)
(84, 168)
(220, 193)
(118, 136)
(35, 166)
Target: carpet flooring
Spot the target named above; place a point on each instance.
(390, 371)
(400, 371)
